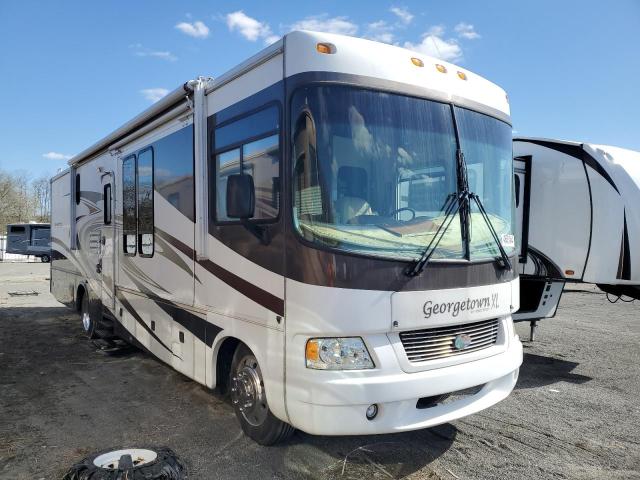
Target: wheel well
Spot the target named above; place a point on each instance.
(223, 363)
(79, 294)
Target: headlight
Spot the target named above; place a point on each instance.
(346, 353)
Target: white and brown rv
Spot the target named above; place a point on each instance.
(326, 232)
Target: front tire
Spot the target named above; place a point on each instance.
(249, 400)
(45, 259)
(89, 324)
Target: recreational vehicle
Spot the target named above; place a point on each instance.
(29, 239)
(577, 219)
(325, 232)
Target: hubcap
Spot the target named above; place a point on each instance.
(86, 321)
(247, 391)
(139, 456)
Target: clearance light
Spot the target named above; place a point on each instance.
(462, 75)
(569, 272)
(441, 68)
(343, 353)
(417, 62)
(326, 48)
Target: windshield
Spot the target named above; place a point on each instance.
(372, 172)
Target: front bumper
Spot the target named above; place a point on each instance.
(334, 402)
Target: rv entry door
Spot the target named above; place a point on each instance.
(107, 250)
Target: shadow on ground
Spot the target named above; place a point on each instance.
(540, 370)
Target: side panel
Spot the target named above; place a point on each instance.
(560, 213)
(64, 274)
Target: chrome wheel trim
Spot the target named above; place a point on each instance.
(247, 391)
(86, 321)
(139, 456)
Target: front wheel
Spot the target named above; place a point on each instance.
(249, 400)
(89, 323)
(45, 259)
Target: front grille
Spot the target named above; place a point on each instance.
(433, 343)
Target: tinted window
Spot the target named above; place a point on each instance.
(145, 202)
(255, 151)
(77, 188)
(129, 224)
(173, 175)
(255, 125)
(106, 201)
(17, 229)
(260, 159)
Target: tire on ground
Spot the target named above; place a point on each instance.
(167, 466)
(272, 430)
(89, 323)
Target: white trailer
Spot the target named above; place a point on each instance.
(578, 220)
(326, 232)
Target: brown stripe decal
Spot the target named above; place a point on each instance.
(248, 289)
(258, 295)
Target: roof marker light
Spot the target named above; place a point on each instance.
(327, 48)
(462, 75)
(417, 62)
(441, 68)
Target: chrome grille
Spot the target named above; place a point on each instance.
(433, 343)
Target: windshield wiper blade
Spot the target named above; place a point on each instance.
(505, 258)
(453, 200)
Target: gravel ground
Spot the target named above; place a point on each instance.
(575, 412)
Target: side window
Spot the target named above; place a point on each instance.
(145, 202)
(17, 229)
(129, 222)
(106, 202)
(77, 189)
(516, 180)
(251, 146)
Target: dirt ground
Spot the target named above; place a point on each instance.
(575, 412)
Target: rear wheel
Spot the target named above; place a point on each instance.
(45, 259)
(249, 400)
(89, 323)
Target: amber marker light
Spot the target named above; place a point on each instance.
(326, 48)
(312, 351)
(462, 75)
(569, 272)
(441, 68)
(417, 62)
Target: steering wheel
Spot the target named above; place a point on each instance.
(403, 209)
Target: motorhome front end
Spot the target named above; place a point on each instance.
(326, 232)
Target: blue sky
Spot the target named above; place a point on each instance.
(71, 72)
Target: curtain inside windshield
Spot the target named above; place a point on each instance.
(373, 170)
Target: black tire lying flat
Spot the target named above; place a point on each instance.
(250, 402)
(166, 466)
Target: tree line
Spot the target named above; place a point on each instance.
(23, 199)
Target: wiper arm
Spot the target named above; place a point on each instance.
(452, 205)
(505, 258)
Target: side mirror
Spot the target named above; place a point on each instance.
(241, 196)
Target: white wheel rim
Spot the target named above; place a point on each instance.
(110, 460)
(86, 321)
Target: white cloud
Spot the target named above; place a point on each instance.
(434, 45)
(250, 28)
(56, 156)
(154, 94)
(196, 29)
(466, 30)
(140, 51)
(403, 14)
(324, 23)
(380, 31)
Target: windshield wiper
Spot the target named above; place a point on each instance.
(453, 200)
(505, 258)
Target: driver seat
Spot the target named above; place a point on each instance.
(352, 191)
